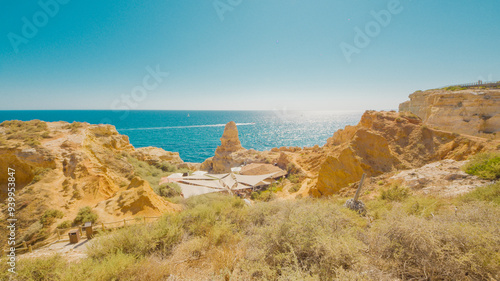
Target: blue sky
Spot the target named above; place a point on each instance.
(239, 54)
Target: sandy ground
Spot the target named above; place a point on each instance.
(71, 252)
(443, 178)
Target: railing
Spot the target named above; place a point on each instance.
(477, 84)
(61, 233)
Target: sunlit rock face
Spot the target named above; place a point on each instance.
(474, 112)
(383, 142)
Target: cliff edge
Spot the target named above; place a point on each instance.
(473, 111)
(64, 167)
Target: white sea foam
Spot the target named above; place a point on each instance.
(184, 127)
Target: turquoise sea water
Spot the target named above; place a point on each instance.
(195, 134)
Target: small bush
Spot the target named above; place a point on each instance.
(295, 188)
(489, 193)
(293, 178)
(265, 195)
(448, 247)
(30, 131)
(395, 193)
(46, 135)
(275, 186)
(291, 168)
(315, 238)
(32, 231)
(65, 224)
(455, 88)
(171, 189)
(84, 215)
(167, 167)
(74, 127)
(484, 165)
(50, 215)
(422, 206)
(150, 173)
(160, 237)
(49, 268)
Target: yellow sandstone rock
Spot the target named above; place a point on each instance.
(474, 111)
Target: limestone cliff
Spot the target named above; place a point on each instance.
(384, 142)
(68, 166)
(473, 111)
(227, 153)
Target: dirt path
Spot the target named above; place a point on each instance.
(71, 252)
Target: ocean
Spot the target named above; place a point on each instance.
(196, 134)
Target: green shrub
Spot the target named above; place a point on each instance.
(295, 188)
(84, 215)
(33, 231)
(46, 135)
(167, 167)
(489, 193)
(171, 189)
(395, 193)
(455, 88)
(74, 127)
(422, 206)
(152, 173)
(219, 237)
(138, 240)
(47, 268)
(50, 215)
(313, 238)
(264, 195)
(293, 178)
(484, 165)
(65, 224)
(275, 186)
(30, 132)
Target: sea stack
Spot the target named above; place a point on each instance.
(230, 142)
(223, 159)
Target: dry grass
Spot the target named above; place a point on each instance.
(31, 132)
(218, 237)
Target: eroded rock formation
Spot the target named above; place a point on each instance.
(228, 153)
(68, 166)
(384, 142)
(475, 111)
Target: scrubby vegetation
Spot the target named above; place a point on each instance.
(395, 193)
(39, 173)
(484, 165)
(84, 215)
(219, 237)
(171, 189)
(31, 132)
(74, 127)
(50, 215)
(486, 193)
(455, 88)
(65, 224)
(153, 173)
(269, 193)
(295, 187)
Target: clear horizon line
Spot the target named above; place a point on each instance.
(120, 111)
